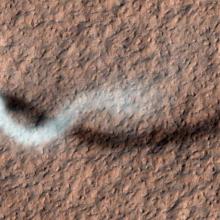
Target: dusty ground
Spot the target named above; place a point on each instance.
(50, 50)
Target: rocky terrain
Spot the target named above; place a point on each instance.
(165, 166)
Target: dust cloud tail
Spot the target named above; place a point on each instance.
(133, 100)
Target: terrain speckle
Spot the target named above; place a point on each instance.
(52, 50)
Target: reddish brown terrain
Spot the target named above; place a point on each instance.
(50, 50)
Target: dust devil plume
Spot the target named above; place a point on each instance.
(133, 100)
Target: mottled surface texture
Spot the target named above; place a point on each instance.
(169, 167)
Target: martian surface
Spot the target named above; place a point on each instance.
(111, 109)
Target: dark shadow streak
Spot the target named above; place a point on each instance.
(156, 140)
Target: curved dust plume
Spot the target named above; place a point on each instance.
(132, 100)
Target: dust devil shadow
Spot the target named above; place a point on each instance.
(156, 140)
